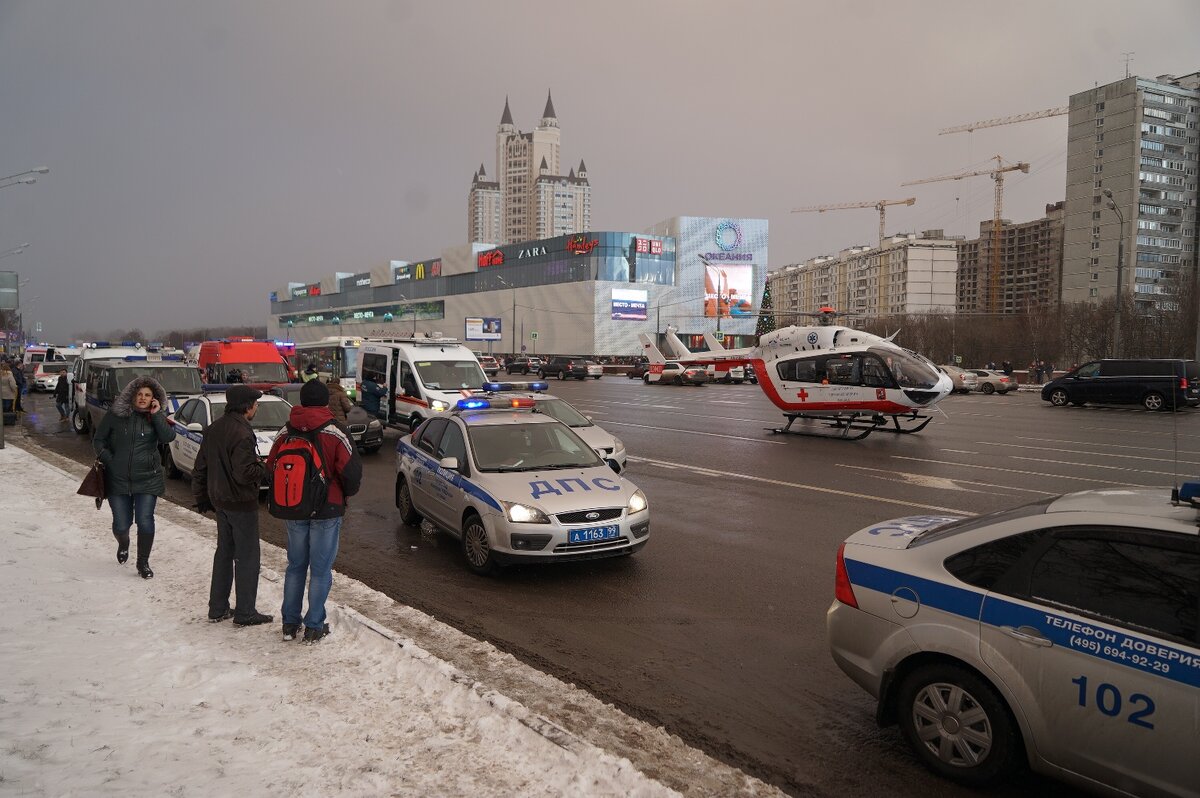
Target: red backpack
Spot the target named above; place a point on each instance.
(299, 483)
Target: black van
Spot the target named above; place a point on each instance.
(1154, 384)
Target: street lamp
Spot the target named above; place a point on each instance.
(1112, 205)
(23, 178)
(14, 251)
(514, 311)
(414, 312)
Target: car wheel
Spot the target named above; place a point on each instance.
(958, 725)
(1153, 401)
(476, 546)
(79, 423)
(173, 471)
(562, 375)
(988, 388)
(1059, 398)
(679, 380)
(596, 377)
(408, 513)
(646, 378)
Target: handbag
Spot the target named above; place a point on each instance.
(93, 484)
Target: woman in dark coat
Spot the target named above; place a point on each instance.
(127, 442)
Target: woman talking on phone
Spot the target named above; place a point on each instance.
(127, 443)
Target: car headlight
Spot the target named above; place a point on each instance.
(637, 503)
(617, 444)
(438, 406)
(374, 423)
(524, 514)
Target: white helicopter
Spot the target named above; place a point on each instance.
(852, 381)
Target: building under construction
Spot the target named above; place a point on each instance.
(1030, 265)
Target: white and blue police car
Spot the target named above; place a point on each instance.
(514, 485)
(194, 417)
(1062, 635)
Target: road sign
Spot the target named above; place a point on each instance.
(719, 335)
(533, 335)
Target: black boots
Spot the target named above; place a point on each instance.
(145, 542)
(122, 548)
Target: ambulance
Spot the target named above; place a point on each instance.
(422, 376)
(247, 360)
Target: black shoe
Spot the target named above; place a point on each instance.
(144, 570)
(253, 620)
(289, 631)
(218, 618)
(123, 548)
(313, 635)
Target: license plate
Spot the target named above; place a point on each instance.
(594, 534)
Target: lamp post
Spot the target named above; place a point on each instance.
(1112, 205)
(414, 312)
(23, 178)
(14, 251)
(514, 312)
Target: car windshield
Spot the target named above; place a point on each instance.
(910, 369)
(562, 411)
(270, 415)
(54, 368)
(177, 380)
(529, 447)
(451, 375)
(257, 372)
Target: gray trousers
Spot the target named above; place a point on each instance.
(235, 563)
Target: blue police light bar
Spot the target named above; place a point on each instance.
(131, 358)
(474, 404)
(1190, 492)
(130, 343)
(497, 387)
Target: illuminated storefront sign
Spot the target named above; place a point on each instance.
(728, 287)
(648, 246)
(400, 271)
(628, 304)
(427, 269)
(404, 311)
(531, 252)
(314, 289)
(483, 329)
(580, 245)
(493, 257)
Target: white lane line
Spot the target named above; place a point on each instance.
(759, 421)
(1098, 454)
(694, 432)
(1014, 471)
(725, 402)
(1094, 465)
(800, 486)
(1106, 445)
(664, 407)
(1135, 432)
(959, 451)
(941, 480)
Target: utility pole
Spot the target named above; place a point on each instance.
(1112, 205)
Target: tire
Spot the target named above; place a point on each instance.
(1059, 397)
(562, 375)
(1154, 401)
(79, 423)
(408, 513)
(679, 380)
(477, 550)
(987, 388)
(596, 377)
(646, 378)
(939, 695)
(173, 471)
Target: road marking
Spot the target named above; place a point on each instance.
(800, 486)
(1108, 445)
(1095, 465)
(725, 402)
(694, 432)
(959, 451)
(665, 407)
(1098, 454)
(1015, 471)
(1133, 432)
(941, 482)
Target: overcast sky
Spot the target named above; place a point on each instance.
(204, 153)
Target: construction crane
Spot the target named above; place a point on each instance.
(879, 205)
(1005, 120)
(997, 174)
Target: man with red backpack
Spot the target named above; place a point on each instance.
(312, 469)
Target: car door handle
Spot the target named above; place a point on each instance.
(1027, 634)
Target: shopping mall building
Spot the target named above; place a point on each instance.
(585, 293)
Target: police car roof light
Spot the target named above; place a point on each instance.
(1190, 492)
(131, 358)
(521, 402)
(473, 404)
(498, 387)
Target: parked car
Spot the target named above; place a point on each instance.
(366, 431)
(1154, 384)
(195, 416)
(676, 373)
(45, 375)
(751, 376)
(988, 381)
(594, 369)
(965, 381)
(524, 365)
(563, 367)
(489, 365)
(638, 370)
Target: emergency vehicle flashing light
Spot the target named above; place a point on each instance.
(498, 387)
(494, 404)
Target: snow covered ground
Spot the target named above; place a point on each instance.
(110, 684)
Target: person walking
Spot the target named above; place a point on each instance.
(372, 393)
(339, 402)
(310, 373)
(8, 388)
(226, 480)
(18, 373)
(313, 543)
(127, 442)
(62, 396)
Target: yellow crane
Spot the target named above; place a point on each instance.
(1005, 120)
(879, 205)
(997, 174)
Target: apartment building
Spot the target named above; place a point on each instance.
(1030, 265)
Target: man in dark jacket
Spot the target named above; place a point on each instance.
(62, 396)
(226, 478)
(372, 393)
(313, 543)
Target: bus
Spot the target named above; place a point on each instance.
(335, 356)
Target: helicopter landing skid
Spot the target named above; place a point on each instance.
(854, 427)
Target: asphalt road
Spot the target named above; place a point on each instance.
(716, 629)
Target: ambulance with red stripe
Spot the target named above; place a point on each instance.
(423, 376)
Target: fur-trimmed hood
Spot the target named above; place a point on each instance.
(123, 405)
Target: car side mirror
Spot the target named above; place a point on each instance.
(195, 426)
(449, 463)
(613, 464)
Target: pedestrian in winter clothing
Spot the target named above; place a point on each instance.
(226, 479)
(310, 373)
(18, 374)
(8, 389)
(313, 543)
(127, 443)
(339, 402)
(372, 392)
(62, 395)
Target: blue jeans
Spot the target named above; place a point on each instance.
(312, 547)
(62, 407)
(126, 509)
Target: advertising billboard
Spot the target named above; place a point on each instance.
(730, 287)
(483, 328)
(9, 299)
(629, 304)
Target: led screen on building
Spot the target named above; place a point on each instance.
(629, 304)
(729, 286)
(483, 329)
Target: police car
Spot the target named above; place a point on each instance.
(194, 416)
(609, 446)
(516, 486)
(1062, 634)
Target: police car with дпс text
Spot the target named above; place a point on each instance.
(516, 486)
(1062, 634)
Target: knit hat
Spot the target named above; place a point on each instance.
(239, 398)
(314, 394)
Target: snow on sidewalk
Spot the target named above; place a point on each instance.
(117, 685)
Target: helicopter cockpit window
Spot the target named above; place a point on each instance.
(875, 374)
(798, 370)
(845, 372)
(909, 370)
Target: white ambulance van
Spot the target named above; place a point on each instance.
(422, 376)
(81, 372)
